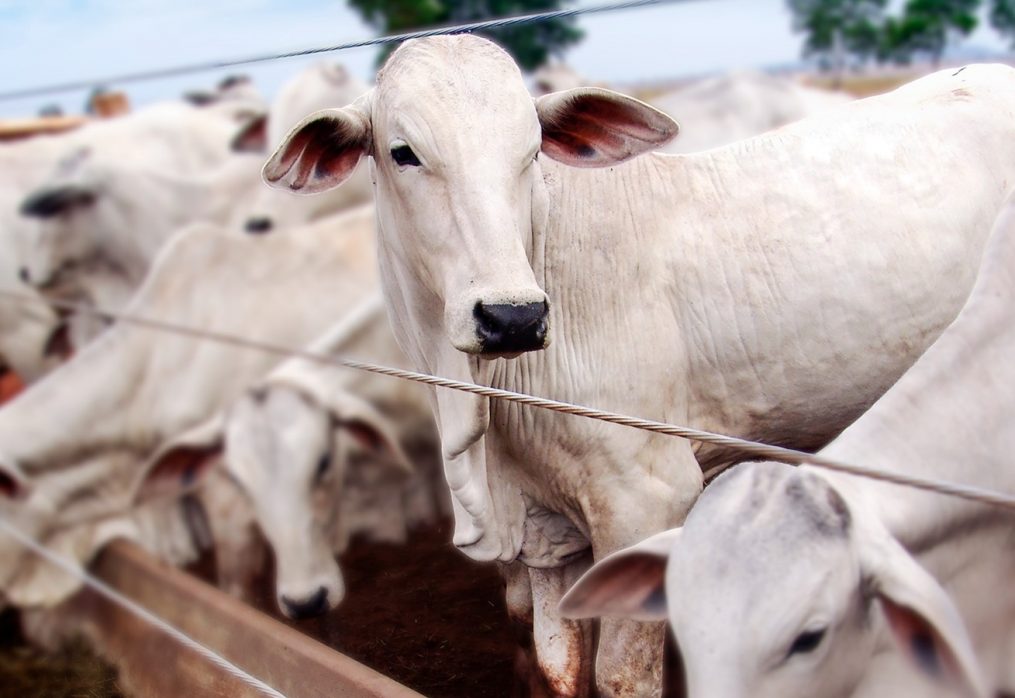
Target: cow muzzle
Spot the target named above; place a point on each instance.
(314, 605)
(508, 328)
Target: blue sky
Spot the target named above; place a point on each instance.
(48, 41)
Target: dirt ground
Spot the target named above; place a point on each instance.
(421, 613)
(425, 615)
(73, 672)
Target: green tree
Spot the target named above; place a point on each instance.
(530, 44)
(1002, 18)
(925, 27)
(838, 29)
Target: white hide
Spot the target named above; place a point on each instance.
(100, 222)
(320, 86)
(770, 550)
(719, 110)
(772, 289)
(179, 137)
(322, 453)
(135, 389)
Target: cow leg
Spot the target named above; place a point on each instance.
(563, 647)
(629, 659)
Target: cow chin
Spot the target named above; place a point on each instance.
(501, 325)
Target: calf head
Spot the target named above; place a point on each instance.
(288, 450)
(776, 587)
(455, 140)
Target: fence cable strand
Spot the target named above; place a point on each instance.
(752, 448)
(174, 71)
(135, 608)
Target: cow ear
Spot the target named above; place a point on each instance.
(253, 137)
(630, 583)
(182, 463)
(13, 483)
(593, 127)
(322, 150)
(924, 622)
(54, 201)
(369, 429)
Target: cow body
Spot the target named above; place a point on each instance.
(743, 290)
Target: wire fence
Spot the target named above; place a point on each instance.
(175, 71)
(745, 446)
(114, 596)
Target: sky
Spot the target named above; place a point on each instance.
(51, 41)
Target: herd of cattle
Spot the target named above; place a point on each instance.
(822, 276)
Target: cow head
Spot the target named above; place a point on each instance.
(455, 140)
(67, 209)
(288, 452)
(776, 587)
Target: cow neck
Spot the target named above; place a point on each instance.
(938, 422)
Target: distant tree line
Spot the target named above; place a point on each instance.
(844, 33)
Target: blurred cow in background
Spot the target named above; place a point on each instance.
(134, 390)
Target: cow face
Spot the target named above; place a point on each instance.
(288, 453)
(775, 587)
(66, 209)
(456, 139)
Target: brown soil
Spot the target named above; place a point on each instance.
(425, 615)
(429, 617)
(72, 672)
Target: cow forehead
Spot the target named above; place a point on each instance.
(452, 80)
(763, 535)
(271, 428)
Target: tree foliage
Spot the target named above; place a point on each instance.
(1002, 18)
(530, 44)
(926, 26)
(835, 29)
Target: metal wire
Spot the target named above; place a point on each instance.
(174, 71)
(75, 570)
(752, 448)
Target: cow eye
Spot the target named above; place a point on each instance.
(323, 465)
(403, 156)
(806, 642)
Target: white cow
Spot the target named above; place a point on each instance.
(135, 389)
(102, 221)
(772, 289)
(805, 582)
(727, 108)
(318, 87)
(321, 454)
(175, 137)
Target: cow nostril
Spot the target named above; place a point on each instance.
(24, 275)
(315, 605)
(505, 327)
(259, 225)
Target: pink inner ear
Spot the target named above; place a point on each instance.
(594, 129)
(319, 151)
(181, 467)
(365, 435)
(253, 137)
(919, 640)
